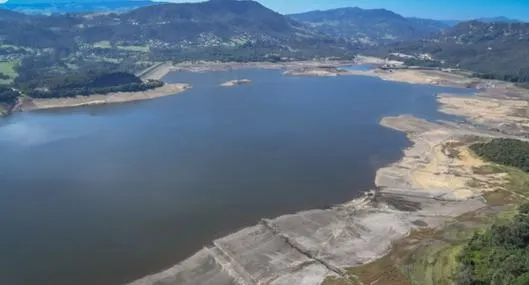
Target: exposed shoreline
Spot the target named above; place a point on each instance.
(237, 82)
(161, 70)
(307, 247)
(99, 99)
(328, 68)
(432, 185)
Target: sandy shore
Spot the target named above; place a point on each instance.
(98, 99)
(233, 83)
(412, 76)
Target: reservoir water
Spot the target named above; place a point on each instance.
(107, 194)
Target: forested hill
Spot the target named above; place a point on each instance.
(221, 23)
(32, 46)
(494, 50)
(370, 27)
(212, 30)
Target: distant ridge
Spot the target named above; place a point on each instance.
(36, 46)
(500, 19)
(369, 27)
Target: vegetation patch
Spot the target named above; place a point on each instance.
(338, 281)
(8, 95)
(425, 257)
(84, 84)
(517, 181)
(7, 71)
(508, 152)
(456, 253)
(499, 255)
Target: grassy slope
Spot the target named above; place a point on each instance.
(8, 68)
(430, 257)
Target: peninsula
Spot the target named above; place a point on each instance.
(99, 99)
(81, 89)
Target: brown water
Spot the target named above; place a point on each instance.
(104, 195)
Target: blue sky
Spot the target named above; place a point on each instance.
(434, 9)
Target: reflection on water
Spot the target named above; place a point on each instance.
(103, 195)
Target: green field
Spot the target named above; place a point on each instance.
(8, 68)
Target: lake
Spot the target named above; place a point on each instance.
(106, 194)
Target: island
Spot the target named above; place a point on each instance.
(233, 83)
(99, 98)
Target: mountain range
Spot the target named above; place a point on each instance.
(231, 30)
(226, 30)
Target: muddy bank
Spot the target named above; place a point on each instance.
(98, 99)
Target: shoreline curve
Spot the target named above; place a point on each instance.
(306, 247)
